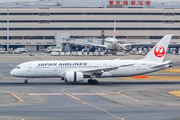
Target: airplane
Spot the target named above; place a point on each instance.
(77, 70)
(110, 43)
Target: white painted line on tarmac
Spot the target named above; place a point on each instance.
(69, 93)
(45, 94)
(88, 93)
(31, 78)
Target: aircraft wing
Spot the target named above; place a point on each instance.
(95, 45)
(104, 69)
(141, 43)
(85, 44)
(75, 43)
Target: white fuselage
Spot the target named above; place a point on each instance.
(41, 69)
(111, 44)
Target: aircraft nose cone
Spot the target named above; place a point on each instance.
(12, 72)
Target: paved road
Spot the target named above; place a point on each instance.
(118, 99)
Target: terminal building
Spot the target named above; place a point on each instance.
(34, 25)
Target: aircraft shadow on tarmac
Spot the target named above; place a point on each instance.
(85, 83)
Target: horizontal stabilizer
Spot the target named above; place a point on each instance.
(162, 64)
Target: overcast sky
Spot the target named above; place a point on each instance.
(147, 0)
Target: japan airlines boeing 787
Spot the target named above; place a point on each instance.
(77, 70)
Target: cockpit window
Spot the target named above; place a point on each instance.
(18, 67)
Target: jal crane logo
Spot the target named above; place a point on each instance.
(159, 51)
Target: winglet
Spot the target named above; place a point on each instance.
(159, 51)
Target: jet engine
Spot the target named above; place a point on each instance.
(73, 76)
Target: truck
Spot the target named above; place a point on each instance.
(21, 50)
(53, 49)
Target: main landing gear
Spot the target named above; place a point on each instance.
(90, 81)
(25, 81)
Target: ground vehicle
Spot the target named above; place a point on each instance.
(20, 50)
(53, 49)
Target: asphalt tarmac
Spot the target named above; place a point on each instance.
(111, 99)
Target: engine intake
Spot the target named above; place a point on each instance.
(73, 76)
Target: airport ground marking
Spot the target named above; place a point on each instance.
(11, 78)
(142, 115)
(175, 93)
(20, 100)
(68, 94)
(12, 65)
(154, 78)
(12, 117)
(45, 94)
(120, 92)
(171, 70)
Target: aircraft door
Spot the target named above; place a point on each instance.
(55, 71)
(144, 66)
(29, 67)
(138, 67)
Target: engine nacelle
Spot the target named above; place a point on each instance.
(73, 76)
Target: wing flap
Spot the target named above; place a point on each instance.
(106, 69)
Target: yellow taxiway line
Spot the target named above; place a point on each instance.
(120, 92)
(68, 94)
(174, 70)
(17, 97)
(176, 93)
(20, 100)
(9, 117)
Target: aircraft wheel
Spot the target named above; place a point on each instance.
(26, 82)
(96, 82)
(90, 81)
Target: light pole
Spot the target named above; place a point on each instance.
(7, 28)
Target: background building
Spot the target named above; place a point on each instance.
(34, 24)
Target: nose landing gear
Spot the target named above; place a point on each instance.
(25, 81)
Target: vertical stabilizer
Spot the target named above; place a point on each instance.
(114, 35)
(159, 50)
